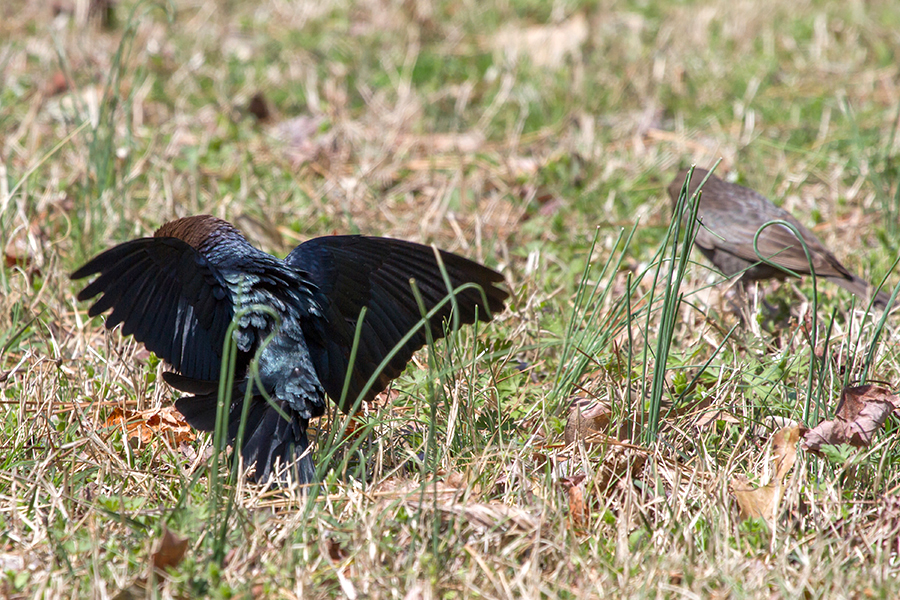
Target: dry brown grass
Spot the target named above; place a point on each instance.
(434, 122)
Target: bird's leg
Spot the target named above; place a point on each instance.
(736, 298)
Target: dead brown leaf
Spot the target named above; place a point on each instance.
(449, 488)
(784, 450)
(762, 502)
(711, 415)
(617, 467)
(491, 515)
(134, 591)
(860, 414)
(586, 418)
(755, 502)
(575, 486)
(170, 551)
(619, 463)
(19, 251)
(15, 260)
(146, 425)
(772, 423)
(336, 552)
(259, 107)
(385, 398)
(57, 84)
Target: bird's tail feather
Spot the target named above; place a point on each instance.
(861, 288)
(271, 443)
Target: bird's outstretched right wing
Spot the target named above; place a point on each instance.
(166, 294)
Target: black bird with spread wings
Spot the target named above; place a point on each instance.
(730, 216)
(178, 292)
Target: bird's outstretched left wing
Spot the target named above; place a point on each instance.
(351, 272)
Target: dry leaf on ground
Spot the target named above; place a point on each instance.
(170, 551)
(453, 496)
(709, 412)
(146, 425)
(861, 412)
(771, 424)
(586, 419)
(784, 450)
(618, 465)
(259, 107)
(449, 488)
(762, 502)
(56, 84)
(575, 487)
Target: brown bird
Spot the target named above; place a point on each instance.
(730, 215)
(180, 290)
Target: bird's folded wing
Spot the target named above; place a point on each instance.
(168, 296)
(356, 271)
(779, 244)
(731, 214)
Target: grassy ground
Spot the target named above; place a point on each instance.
(529, 135)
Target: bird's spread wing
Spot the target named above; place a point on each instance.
(166, 294)
(351, 272)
